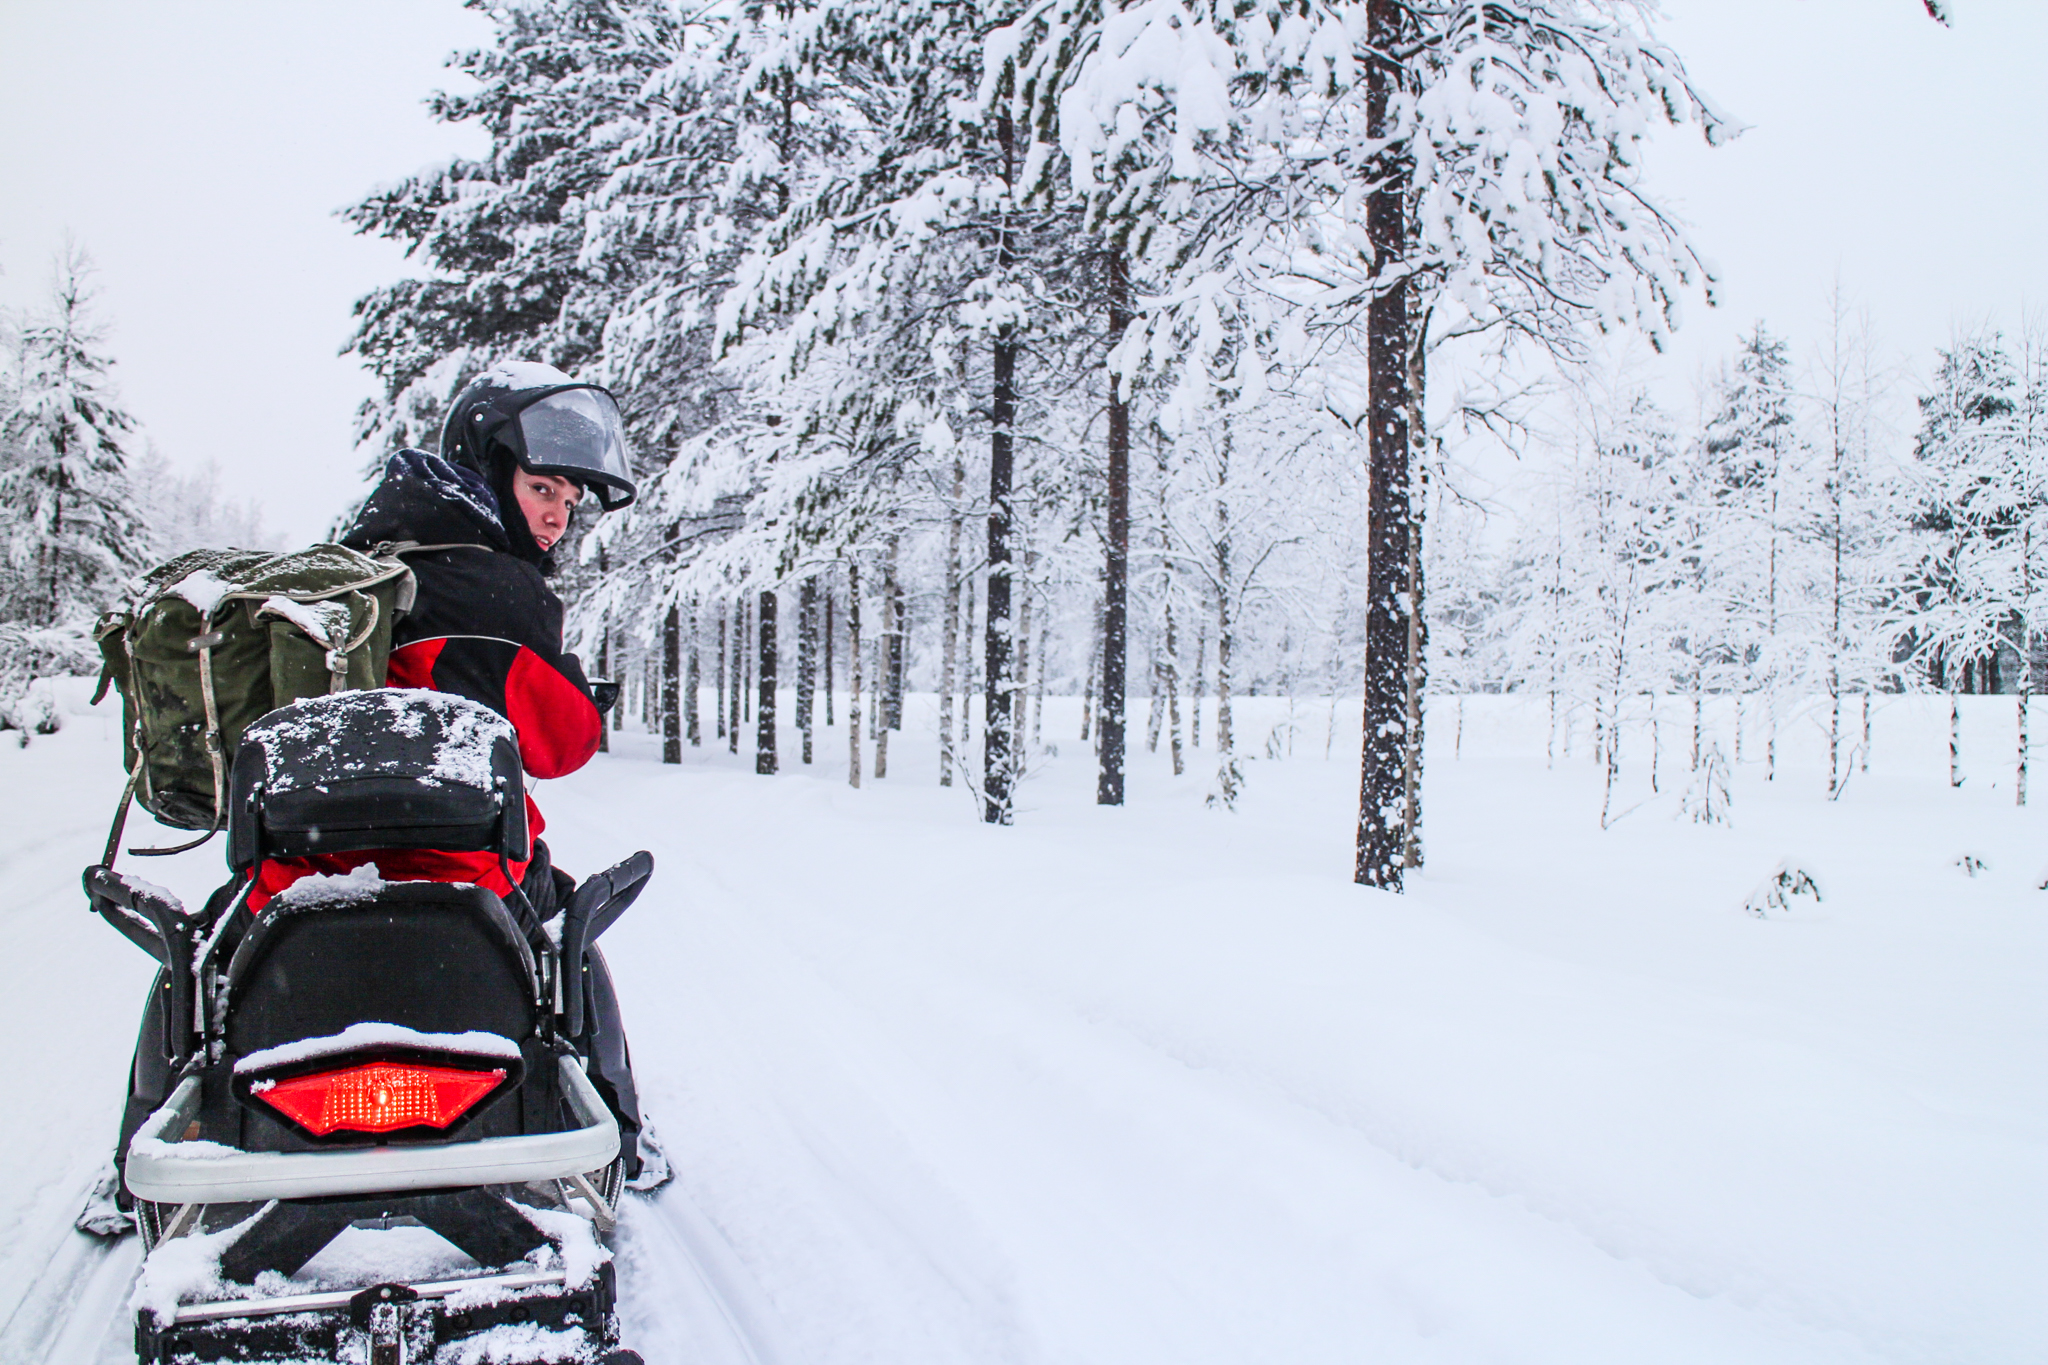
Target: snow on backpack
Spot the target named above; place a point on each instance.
(214, 640)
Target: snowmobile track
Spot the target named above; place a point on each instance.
(684, 1294)
(75, 1311)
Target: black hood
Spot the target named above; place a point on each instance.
(424, 498)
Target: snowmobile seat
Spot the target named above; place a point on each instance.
(384, 768)
(328, 952)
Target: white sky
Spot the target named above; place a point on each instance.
(199, 148)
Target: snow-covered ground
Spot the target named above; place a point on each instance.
(1159, 1084)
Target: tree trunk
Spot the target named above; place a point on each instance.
(690, 685)
(1384, 809)
(896, 606)
(2026, 658)
(807, 661)
(718, 711)
(1656, 746)
(1088, 679)
(2020, 776)
(967, 668)
(737, 677)
(854, 679)
(1955, 741)
(1020, 693)
(671, 720)
(1038, 690)
(745, 645)
(1172, 669)
(1109, 782)
(998, 753)
(764, 710)
(1155, 710)
(1229, 777)
(1411, 763)
(1201, 683)
(890, 699)
(1771, 634)
(950, 655)
(828, 655)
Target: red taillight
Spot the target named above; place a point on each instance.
(379, 1097)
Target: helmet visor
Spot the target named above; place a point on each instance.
(578, 434)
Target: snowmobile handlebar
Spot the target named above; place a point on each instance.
(155, 921)
(595, 907)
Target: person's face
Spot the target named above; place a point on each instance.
(546, 500)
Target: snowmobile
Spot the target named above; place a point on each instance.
(381, 1145)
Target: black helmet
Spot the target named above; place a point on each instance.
(546, 423)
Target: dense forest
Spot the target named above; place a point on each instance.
(1157, 354)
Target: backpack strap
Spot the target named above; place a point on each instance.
(121, 815)
(216, 752)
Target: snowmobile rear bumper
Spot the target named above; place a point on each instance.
(167, 1171)
(408, 1321)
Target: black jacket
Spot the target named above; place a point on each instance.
(485, 624)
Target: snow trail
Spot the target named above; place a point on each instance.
(73, 1306)
(1158, 1087)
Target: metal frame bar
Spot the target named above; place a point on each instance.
(162, 1173)
(225, 1309)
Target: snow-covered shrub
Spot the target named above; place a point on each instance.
(1969, 864)
(1787, 882)
(1706, 799)
(28, 698)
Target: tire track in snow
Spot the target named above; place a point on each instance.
(684, 1296)
(75, 1311)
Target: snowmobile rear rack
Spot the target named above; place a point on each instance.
(479, 1286)
(405, 1323)
(168, 1171)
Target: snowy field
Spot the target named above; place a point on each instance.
(1160, 1086)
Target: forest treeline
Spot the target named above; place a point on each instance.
(1042, 334)
(1016, 348)
(1793, 542)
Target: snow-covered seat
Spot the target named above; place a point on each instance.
(385, 768)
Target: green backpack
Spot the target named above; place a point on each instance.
(215, 639)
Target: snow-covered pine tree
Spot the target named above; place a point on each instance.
(2027, 476)
(1956, 605)
(1334, 185)
(70, 526)
(559, 92)
(1761, 468)
(899, 277)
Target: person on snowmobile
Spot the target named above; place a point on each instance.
(523, 446)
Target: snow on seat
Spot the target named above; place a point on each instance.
(385, 768)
